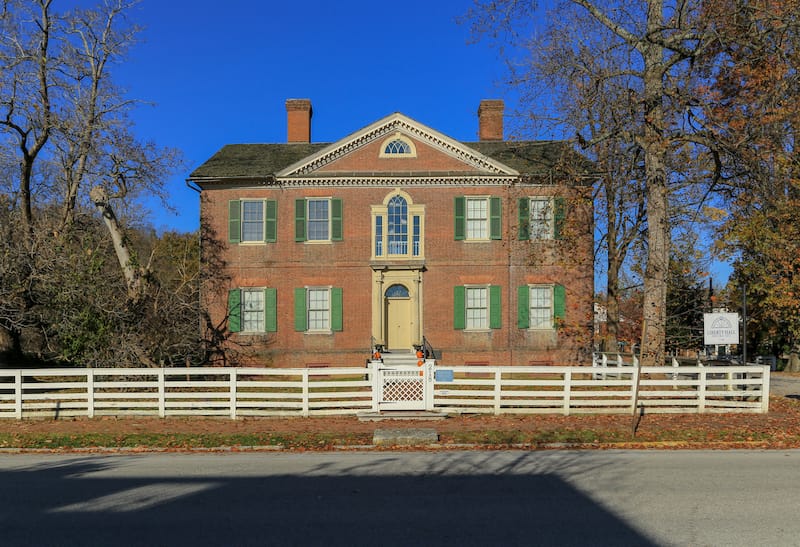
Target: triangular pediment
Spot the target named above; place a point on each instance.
(360, 152)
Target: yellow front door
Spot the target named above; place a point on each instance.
(398, 323)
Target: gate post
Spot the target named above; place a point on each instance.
(430, 378)
(374, 377)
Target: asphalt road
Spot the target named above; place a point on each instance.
(564, 498)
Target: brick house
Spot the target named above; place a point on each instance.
(398, 236)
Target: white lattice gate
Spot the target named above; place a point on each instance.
(404, 387)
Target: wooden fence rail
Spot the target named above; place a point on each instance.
(235, 392)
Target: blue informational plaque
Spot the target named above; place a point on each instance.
(443, 375)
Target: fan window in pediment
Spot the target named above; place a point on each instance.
(398, 147)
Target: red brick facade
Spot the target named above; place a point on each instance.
(377, 287)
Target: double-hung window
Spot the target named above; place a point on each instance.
(477, 307)
(252, 310)
(540, 306)
(318, 219)
(252, 220)
(318, 309)
(541, 218)
(477, 218)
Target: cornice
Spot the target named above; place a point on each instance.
(396, 123)
(392, 182)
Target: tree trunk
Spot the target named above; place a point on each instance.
(133, 275)
(793, 365)
(654, 314)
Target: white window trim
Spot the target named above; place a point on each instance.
(550, 288)
(487, 221)
(242, 312)
(329, 329)
(551, 222)
(487, 328)
(308, 201)
(261, 241)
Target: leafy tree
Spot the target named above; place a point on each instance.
(750, 92)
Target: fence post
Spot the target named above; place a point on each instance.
(232, 392)
(376, 390)
(567, 391)
(634, 387)
(306, 403)
(498, 380)
(162, 403)
(765, 389)
(18, 394)
(90, 393)
(701, 390)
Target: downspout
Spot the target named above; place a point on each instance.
(511, 310)
(200, 293)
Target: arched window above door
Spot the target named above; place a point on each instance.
(397, 291)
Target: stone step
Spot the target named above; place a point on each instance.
(400, 415)
(405, 437)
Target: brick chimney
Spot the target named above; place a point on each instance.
(298, 118)
(490, 120)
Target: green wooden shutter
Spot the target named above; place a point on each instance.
(300, 317)
(459, 310)
(524, 219)
(523, 307)
(234, 310)
(271, 309)
(559, 213)
(336, 220)
(495, 307)
(336, 308)
(234, 221)
(271, 217)
(559, 302)
(300, 220)
(495, 224)
(459, 215)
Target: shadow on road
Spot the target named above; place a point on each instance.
(66, 505)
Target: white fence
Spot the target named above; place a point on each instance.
(234, 392)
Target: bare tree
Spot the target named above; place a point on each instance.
(652, 44)
(82, 171)
(27, 81)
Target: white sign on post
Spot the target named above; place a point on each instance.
(720, 328)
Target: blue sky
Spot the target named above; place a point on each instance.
(219, 72)
(215, 73)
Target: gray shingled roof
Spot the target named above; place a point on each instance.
(264, 160)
